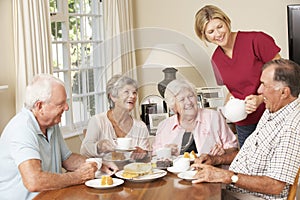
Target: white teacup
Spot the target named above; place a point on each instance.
(181, 164)
(234, 110)
(164, 152)
(124, 143)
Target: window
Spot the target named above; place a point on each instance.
(78, 58)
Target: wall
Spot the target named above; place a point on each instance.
(7, 75)
(172, 21)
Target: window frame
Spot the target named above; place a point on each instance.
(86, 69)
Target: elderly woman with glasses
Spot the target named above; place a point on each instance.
(192, 128)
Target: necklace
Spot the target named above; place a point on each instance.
(119, 132)
(187, 140)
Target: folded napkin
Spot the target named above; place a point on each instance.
(96, 160)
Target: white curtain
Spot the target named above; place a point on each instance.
(32, 43)
(119, 39)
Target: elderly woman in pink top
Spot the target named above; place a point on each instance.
(192, 128)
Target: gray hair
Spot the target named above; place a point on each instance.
(40, 89)
(116, 83)
(286, 72)
(174, 88)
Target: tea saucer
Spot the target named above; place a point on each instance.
(174, 170)
(187, 175)
(122, 149)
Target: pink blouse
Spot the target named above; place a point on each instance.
(211, 129)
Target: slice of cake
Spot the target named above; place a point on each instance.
(117, 156)
(106, 180)
(164, 163)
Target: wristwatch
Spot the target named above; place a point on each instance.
(234, 178)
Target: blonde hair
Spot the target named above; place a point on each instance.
(205, 15)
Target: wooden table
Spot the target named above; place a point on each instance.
(168, 187)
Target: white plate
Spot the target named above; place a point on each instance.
(174, 170)
(156, 173)
(108, 157)
(188, 175)
(96, 183)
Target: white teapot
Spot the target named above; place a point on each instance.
(234, 110)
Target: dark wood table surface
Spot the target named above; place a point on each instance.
(168, 187)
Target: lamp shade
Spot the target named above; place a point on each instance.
(169, 55)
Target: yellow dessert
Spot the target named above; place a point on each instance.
(130, 174)
(186, 155)
(134, 170)
(106, 180)
(191, 155)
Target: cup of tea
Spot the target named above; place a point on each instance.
(124, 143)
(181, 164)
(164, 152)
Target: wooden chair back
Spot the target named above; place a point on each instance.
(293, 188)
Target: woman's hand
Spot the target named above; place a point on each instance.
(204, 159)
(217, 150)
(139, 153)
(109, 168)
(105, 146)
(252, 102)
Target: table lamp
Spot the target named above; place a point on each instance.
(170, 57)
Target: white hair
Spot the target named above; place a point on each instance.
(174, 88)
(40, 89)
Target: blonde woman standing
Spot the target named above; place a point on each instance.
(237, 61)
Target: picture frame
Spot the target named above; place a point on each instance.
(155, 119)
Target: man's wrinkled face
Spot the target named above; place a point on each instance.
(54, 108)
(271, 90)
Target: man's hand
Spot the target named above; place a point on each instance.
(208, 173)
(86, 171)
